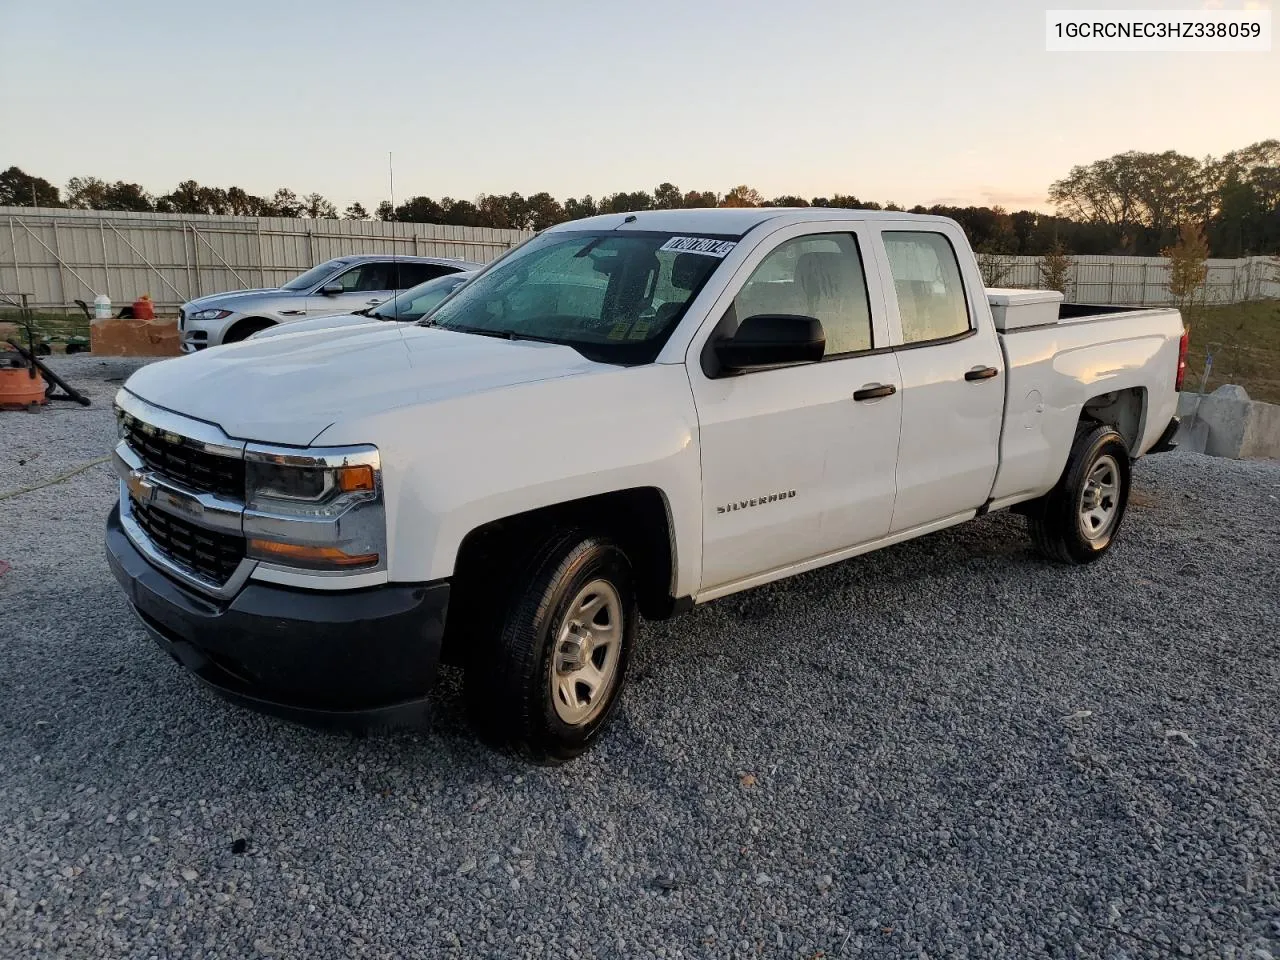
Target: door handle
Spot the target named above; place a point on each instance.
(981, 373)
(374, 302)
(875, 391)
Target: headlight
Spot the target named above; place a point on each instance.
(316, 510)
(209, 315)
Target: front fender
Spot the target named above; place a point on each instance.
(455, 465)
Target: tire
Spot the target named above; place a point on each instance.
(245, 329)
(1077, 521)
(528, 683)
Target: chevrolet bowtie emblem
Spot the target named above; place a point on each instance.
(140, 488)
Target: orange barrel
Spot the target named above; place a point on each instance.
(144, 309)
(18, 389)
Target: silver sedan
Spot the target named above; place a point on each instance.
(407, 306)
(341, 286)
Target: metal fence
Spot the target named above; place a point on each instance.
(56, 257)
(1139, 280)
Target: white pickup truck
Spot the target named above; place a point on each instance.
(623, 417)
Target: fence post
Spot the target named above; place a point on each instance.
(1111, 283)
(186, 257)
(1145, 270)
(57, 255)
(262, 260)
(13, 247)
(311, 253)
(106, 266)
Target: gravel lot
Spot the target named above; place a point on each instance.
(943, 749)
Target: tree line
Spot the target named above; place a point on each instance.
(1131, 203)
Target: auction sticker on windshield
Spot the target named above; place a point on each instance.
(705, 245)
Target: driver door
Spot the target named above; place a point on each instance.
(364, 286)
(798, 462)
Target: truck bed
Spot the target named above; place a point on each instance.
(1100, 354)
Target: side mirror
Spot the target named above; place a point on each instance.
(770, 340)
(332, 289)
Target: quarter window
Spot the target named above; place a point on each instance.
(818, 276)
(926, 276)
(412, 274)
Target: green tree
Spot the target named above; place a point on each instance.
(187, 197)
(626, 202)
(667, 196)
(355, 211)
(698, 199)
(316, 207)
(385, 211)
(1055, 268)
(284, 203)
(575, 209)
(742, 196)
(20, 189)
(541, 211)
(787, 200)
(1188, 266)
(417, 210)
(243, 204)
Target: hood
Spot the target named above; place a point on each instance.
(317, 323)
(288, 390)
(222, 299)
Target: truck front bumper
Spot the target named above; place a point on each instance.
(352, 659)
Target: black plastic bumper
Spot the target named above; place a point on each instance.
(354, 658)
(1166, 441)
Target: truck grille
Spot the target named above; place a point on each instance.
(182, 461)
(208, 554)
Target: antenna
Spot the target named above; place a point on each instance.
(395, 269)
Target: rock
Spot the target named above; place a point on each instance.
(1231, 391)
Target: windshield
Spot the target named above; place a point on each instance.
(314, 275)
(411, 304)
(614, 297)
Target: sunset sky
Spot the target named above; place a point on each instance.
(909, 101)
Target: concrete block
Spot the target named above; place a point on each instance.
(1226, 423)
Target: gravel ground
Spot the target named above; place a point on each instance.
(947, 748)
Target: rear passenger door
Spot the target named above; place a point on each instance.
(952, 382)
(798, 461)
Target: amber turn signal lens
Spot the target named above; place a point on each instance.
(312, 558)
(352, 479)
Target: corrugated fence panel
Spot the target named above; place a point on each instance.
(58, 256)
(1144, 280)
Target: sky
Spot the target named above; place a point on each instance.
(908, 101)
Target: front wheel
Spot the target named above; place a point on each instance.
(1077, 521)
(547, 681)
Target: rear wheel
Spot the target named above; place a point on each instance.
(1077, 521)
(546, 681)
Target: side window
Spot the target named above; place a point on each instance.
(412, 274)
(815, 276)
(366, 276)
(926, 275)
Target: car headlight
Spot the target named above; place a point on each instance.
(317, 509)
(209, 315)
